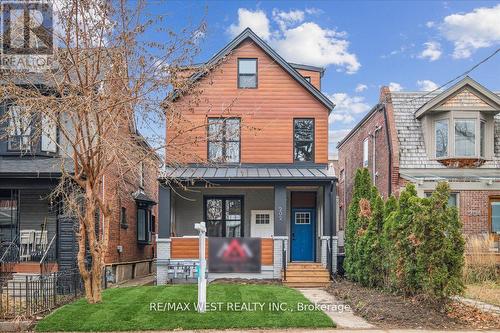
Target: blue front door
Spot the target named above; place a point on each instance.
(303, 222)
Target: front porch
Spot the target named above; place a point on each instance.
(293, 220)
(34, 237)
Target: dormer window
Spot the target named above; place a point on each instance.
(465, 137)
(247, 73)
(441, 135)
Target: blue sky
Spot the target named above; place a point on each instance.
(409, 45)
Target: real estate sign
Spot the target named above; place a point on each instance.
(234, 255)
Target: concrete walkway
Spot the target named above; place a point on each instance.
(339, 312)
(486, 307)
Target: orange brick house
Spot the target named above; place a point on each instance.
(258, 167)
(424, 138)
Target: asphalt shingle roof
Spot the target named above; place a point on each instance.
(36, 167)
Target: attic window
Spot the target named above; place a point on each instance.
(247, 73)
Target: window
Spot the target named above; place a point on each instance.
(224, 140)
(224, 216)
(262, 219)
(123, 218)
(495, 215)
(303, 136)
(441, 135)
(482, 133)
(19, 129)
(452, 199)
(247, 73)
(303, 218)
(465, 137)
(308, 78)
(365, 153)
(143, 224)
(49, 135)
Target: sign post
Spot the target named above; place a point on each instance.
(202, 281)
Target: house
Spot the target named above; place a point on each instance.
(36, 234)
(424, 138)
(258, 168)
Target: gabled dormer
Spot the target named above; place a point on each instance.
(459, 124)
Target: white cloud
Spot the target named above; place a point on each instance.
(299, 41)
(394, 86)
(430, 24)
(432, 51)
(471, 31)
(255, 20)
(285, 19)
(346, 107)
(361, 87)
(427, 85)
(335, 136)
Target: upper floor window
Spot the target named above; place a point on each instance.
(247, 73)
(49, 135)
(365, 153)
(303, 136)
(441, 134)
(224, 140)
(465, 139)
(141, 174)
(19, 129)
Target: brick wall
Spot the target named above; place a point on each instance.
(120, 195)
(473, 206)
(351, 158)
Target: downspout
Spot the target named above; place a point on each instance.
(389, 145)
(374, 155)
(332, 184)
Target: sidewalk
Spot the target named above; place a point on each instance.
(341, 314)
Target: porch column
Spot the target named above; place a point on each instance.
(280, 238)
(164, 227)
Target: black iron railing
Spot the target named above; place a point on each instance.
(283, 258)
(28, 296)
(9, 251)
(49, 257)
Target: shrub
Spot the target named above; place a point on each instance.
(410, 245)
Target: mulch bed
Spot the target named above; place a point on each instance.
(387, 310)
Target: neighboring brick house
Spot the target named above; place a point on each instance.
(423, 138)
(258, 169)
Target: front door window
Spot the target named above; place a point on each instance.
(303, 222)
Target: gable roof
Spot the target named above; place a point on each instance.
(289, 68)
(490, 97)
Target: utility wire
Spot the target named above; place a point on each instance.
(458, 77)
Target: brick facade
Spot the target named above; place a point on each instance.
(351, 158)
(473, 207)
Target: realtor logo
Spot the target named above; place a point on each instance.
(27, 35)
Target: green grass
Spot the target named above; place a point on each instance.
(125, 309)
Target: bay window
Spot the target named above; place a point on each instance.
(465, 137)
(143, 224)
(441, 135)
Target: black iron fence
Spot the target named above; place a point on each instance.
(26, 296)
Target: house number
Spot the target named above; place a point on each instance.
(280, 214)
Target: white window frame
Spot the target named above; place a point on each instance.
(447, 120)
(366, 147)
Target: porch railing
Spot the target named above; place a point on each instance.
(283, 258)
(49, 257)
(10, 255)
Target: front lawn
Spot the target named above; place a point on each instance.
(134, 309)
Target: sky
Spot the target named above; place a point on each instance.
(406, 45)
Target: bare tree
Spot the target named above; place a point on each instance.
(114, 64)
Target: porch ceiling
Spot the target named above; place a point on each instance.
(250, 173)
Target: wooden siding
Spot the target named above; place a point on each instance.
(267, 113)
(187, 248)
(315, 77)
